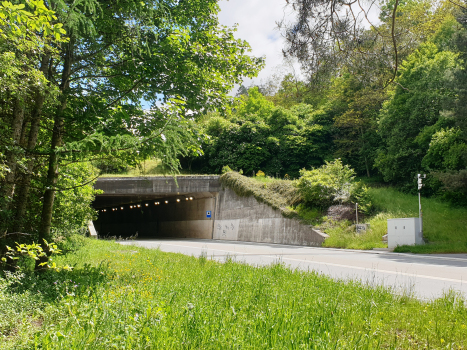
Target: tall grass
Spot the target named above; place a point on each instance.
(123, 297)
(444, 226)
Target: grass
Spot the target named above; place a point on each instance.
(123, 297)
(278, 194)
(149, 167)
(444, 226)
(342, 234)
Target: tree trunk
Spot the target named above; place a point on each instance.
(52, 173)
(24, 187)
(366, 160)
(16, 129)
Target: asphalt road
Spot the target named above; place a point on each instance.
(423, 276)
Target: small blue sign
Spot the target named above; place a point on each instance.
(208, 214)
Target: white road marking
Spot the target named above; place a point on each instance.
(325, 263)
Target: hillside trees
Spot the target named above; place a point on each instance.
(115, 55)
(257, 135)
(412, 116)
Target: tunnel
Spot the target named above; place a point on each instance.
(156, 207)
(196, 207)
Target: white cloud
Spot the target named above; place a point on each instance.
(257, 25)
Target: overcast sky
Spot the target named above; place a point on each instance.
(257, 25)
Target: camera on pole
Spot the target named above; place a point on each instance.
(420, 178)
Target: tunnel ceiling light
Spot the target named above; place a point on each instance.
(166, 202)
(178, 200)
(121, 208)
(191, 198)
(139, 205)
(147, 204)
(131, 207)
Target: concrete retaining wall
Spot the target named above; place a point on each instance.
(246, 219)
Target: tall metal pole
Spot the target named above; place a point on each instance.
(420, 215)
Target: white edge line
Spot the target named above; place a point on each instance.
(324, 263)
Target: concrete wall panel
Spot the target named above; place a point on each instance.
(257, 222)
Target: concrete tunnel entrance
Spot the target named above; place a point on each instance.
(156, 207)
(192, 207)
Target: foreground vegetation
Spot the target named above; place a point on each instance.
(123, 297)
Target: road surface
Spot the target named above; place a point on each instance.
(423, 276)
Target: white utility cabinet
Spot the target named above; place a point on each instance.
(404, 232)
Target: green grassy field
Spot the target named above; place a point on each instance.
(149, 167)
(444, 226)
(123, 297)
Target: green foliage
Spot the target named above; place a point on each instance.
(257, 135)
(173, 301)
(33, 251)
(75, 194)
(415, 105)
(332, 183)
(260, 173)
(446, 151)
(342, 234)
(226, 169)
(278, 194)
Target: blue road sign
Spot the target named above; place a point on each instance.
(208, 214)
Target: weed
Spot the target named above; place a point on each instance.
(119, 297)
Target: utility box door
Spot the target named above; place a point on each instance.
(404, 232)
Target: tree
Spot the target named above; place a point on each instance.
(327, 36)
(355, 110)
(412, 115)
(257, 135)
(117, 54)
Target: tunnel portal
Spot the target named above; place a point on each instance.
(192, 207)
(157, 207)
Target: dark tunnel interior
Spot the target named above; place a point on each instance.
(184, 215)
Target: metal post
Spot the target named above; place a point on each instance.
(420, 214)
(356, 211)
(420, 177)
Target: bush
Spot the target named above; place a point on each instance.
(332, 183)
(226, 169)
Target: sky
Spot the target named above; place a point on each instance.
(257, 25)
